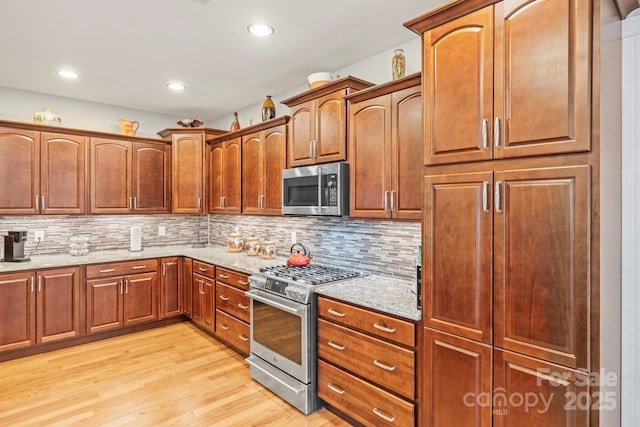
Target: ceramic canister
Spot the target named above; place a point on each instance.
(235, 243)
(268, 249)
(252, 246)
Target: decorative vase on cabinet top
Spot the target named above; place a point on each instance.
(268, 109)
(398, 64)
(128, 127)
(235, 124)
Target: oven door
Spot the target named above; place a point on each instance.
(280, 333)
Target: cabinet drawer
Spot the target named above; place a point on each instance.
(121, 268)
(386, 364)
(232, 278)
(387, 327)
(233, 301)
(235, 332)
(204, 269)
(360, 400)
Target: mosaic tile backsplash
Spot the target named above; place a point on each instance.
(381, 247)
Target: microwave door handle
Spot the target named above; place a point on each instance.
(320, 188)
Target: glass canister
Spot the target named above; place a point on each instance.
(235, 242)
(252, 246)
(78, 245)
(268, 249)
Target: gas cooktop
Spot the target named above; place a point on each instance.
(311, 274)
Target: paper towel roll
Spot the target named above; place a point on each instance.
(136, 239)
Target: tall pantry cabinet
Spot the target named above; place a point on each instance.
(510, 193)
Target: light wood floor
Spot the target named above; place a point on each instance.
(170, 376)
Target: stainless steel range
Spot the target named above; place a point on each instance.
(283, 330)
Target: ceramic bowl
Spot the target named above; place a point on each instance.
(318, 79)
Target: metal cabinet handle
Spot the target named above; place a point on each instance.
(386, 195)
(39, 283)
(383, 416)
(393, 200)
(202, 268)
(242, 306)
(221, 202)
(138, 267)
(224, 298)
(496, 132)
(497, 197)
(384, 328)
(335, 389)
(42, 201)
(130, 202)
(311, 149)
(384, 366)
(120, 286)
(485, 196)
(126, 286)
(107, 270)
(223, 276)
(243, 282)
(243, 337)
(37, 203)
(223, 326)
(336, 346)
(135, 203)
(32, 287)
(336, 313)
(485, 130)
(164, 269)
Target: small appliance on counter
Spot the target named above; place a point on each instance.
(14, 246)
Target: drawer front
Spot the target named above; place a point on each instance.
(204, 269)
(233, 301)
(387, 327)
(121, 268)
(232, 278)
(383, 363)
(361, 400)
(235, 332)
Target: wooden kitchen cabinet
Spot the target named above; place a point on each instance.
(264, 156)
(171, 287)
(203, 290)
(47, 172)
(385, 150)
(121, 294)
(187, 283)
(232, 309)
(39, 307)
(318, 127)
(188, 187)
(129, 177)
(507, 81)
(225, 169)
(364, 353)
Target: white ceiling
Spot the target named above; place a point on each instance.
(126, 51)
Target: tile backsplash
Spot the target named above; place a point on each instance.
(374, 246)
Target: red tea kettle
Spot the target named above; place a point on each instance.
(297, 259)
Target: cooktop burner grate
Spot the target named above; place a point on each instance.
(311, 274)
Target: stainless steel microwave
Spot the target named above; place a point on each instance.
(316, 190)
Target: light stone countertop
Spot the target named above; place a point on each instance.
(386, 294)
(218, 255)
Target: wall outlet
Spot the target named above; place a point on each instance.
(38, 236)
(294, 237)
(162, 230)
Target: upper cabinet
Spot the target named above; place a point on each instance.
(264, 156)
(44, 173)
(129, 177)
(385, 150)
(318, 130)
(188, 166)
(509, 80)
(225, 162)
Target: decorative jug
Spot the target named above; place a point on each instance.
(128, 127)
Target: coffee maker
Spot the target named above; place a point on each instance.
(14, 246)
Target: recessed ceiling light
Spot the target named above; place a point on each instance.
(260, 30)
(68, 74)
(176, 86)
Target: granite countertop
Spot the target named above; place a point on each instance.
(218, 255)
(386, 294)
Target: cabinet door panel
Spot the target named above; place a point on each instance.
(104, 304)
(330, 128)
(187, 283)
(456, 381)
(110, 176)
(187, 174)
(216, 177)
(529, 392)
(232, 168)
(458, 84)
(58, 302)
(140, 298)
(541, 273)
(208, 304)
(407, 149)
(63, 182)
(21, 149)
(151, 171)
(457, 258)
(370, 158)
(274, 145)
(252, 173)
(301, 133)
(171, 287)
(17, 311)
(543, 82)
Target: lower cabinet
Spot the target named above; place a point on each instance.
(171, 289)
(187, 280)
(232, 309)
(203, 309)
(117, 301)
(365, 367)
(39, 307)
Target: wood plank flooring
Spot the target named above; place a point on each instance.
(171, 376)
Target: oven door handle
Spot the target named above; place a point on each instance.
(269, 301)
